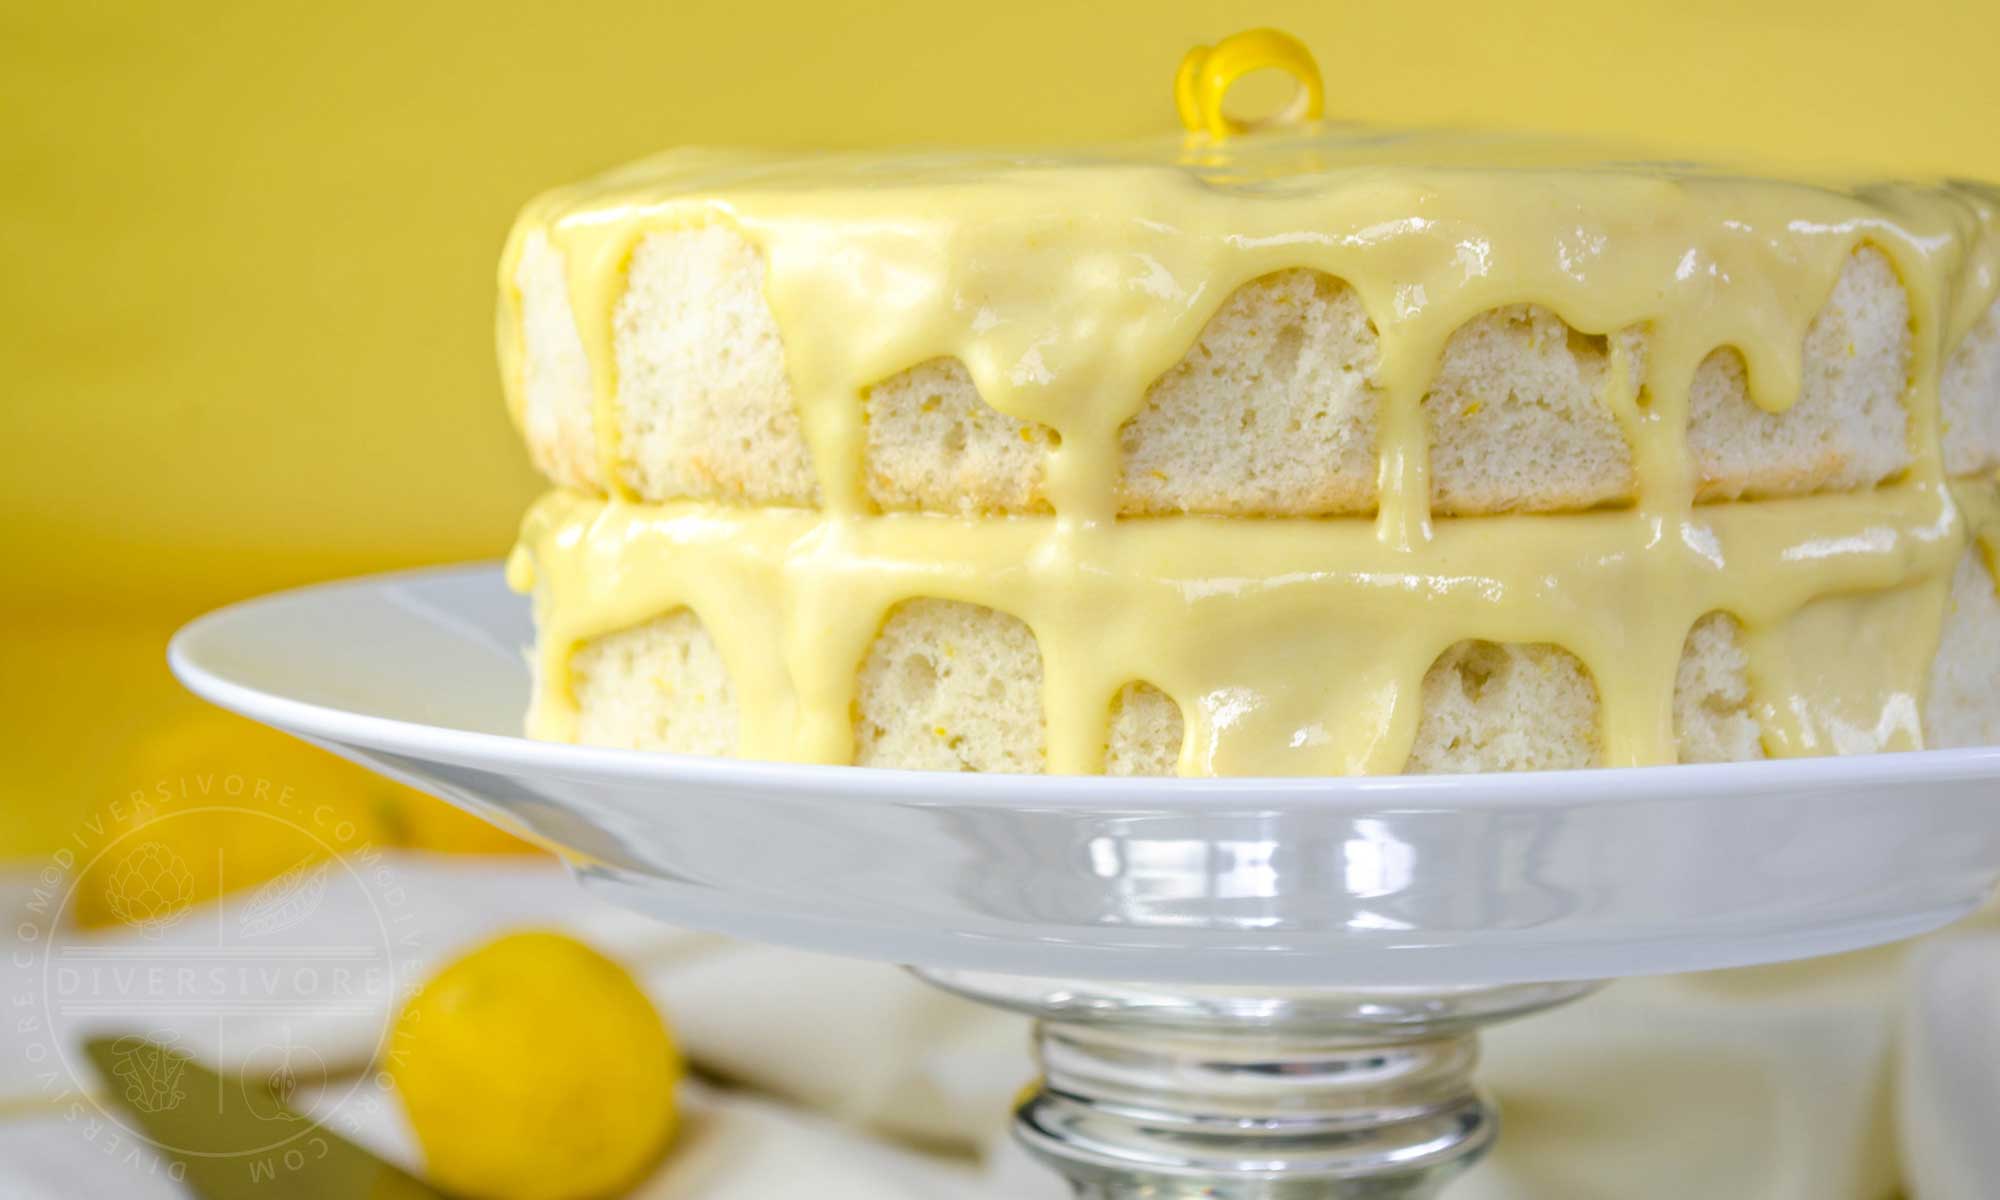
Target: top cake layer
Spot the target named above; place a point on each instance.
(1313, 323)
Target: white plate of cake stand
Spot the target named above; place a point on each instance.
(1245, 988)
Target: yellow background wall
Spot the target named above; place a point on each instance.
(246, 249)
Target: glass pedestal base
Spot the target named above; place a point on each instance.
(1259, 1094)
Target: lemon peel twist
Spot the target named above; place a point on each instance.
(1207, 73)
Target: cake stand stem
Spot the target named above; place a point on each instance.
(1182, 1092)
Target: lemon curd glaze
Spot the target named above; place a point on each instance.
(1068, 283)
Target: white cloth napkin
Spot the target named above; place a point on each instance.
(1950, 1066)
(834, 1079)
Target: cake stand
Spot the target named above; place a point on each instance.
(1243, 987)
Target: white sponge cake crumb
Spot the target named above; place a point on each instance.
(1848, 429)
(1712, 720)
(1146, 733)
(1519, 420)
(1489, 706)
(556, 396)
(657, 686)
(1963, 707)
(1969, 400)
(935, 446)
(1272, 411)
(948, 686)
(704, 407)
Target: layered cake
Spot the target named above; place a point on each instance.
(1308, 450)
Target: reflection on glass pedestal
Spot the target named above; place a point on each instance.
(1169, 1092)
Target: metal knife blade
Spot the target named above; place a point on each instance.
(235, 1140)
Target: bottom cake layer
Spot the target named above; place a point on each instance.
(949, 686)
(942, 682)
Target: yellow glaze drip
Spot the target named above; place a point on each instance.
(1979, 500)
(1068, 283)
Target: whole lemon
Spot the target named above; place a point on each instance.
(534, 1068)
